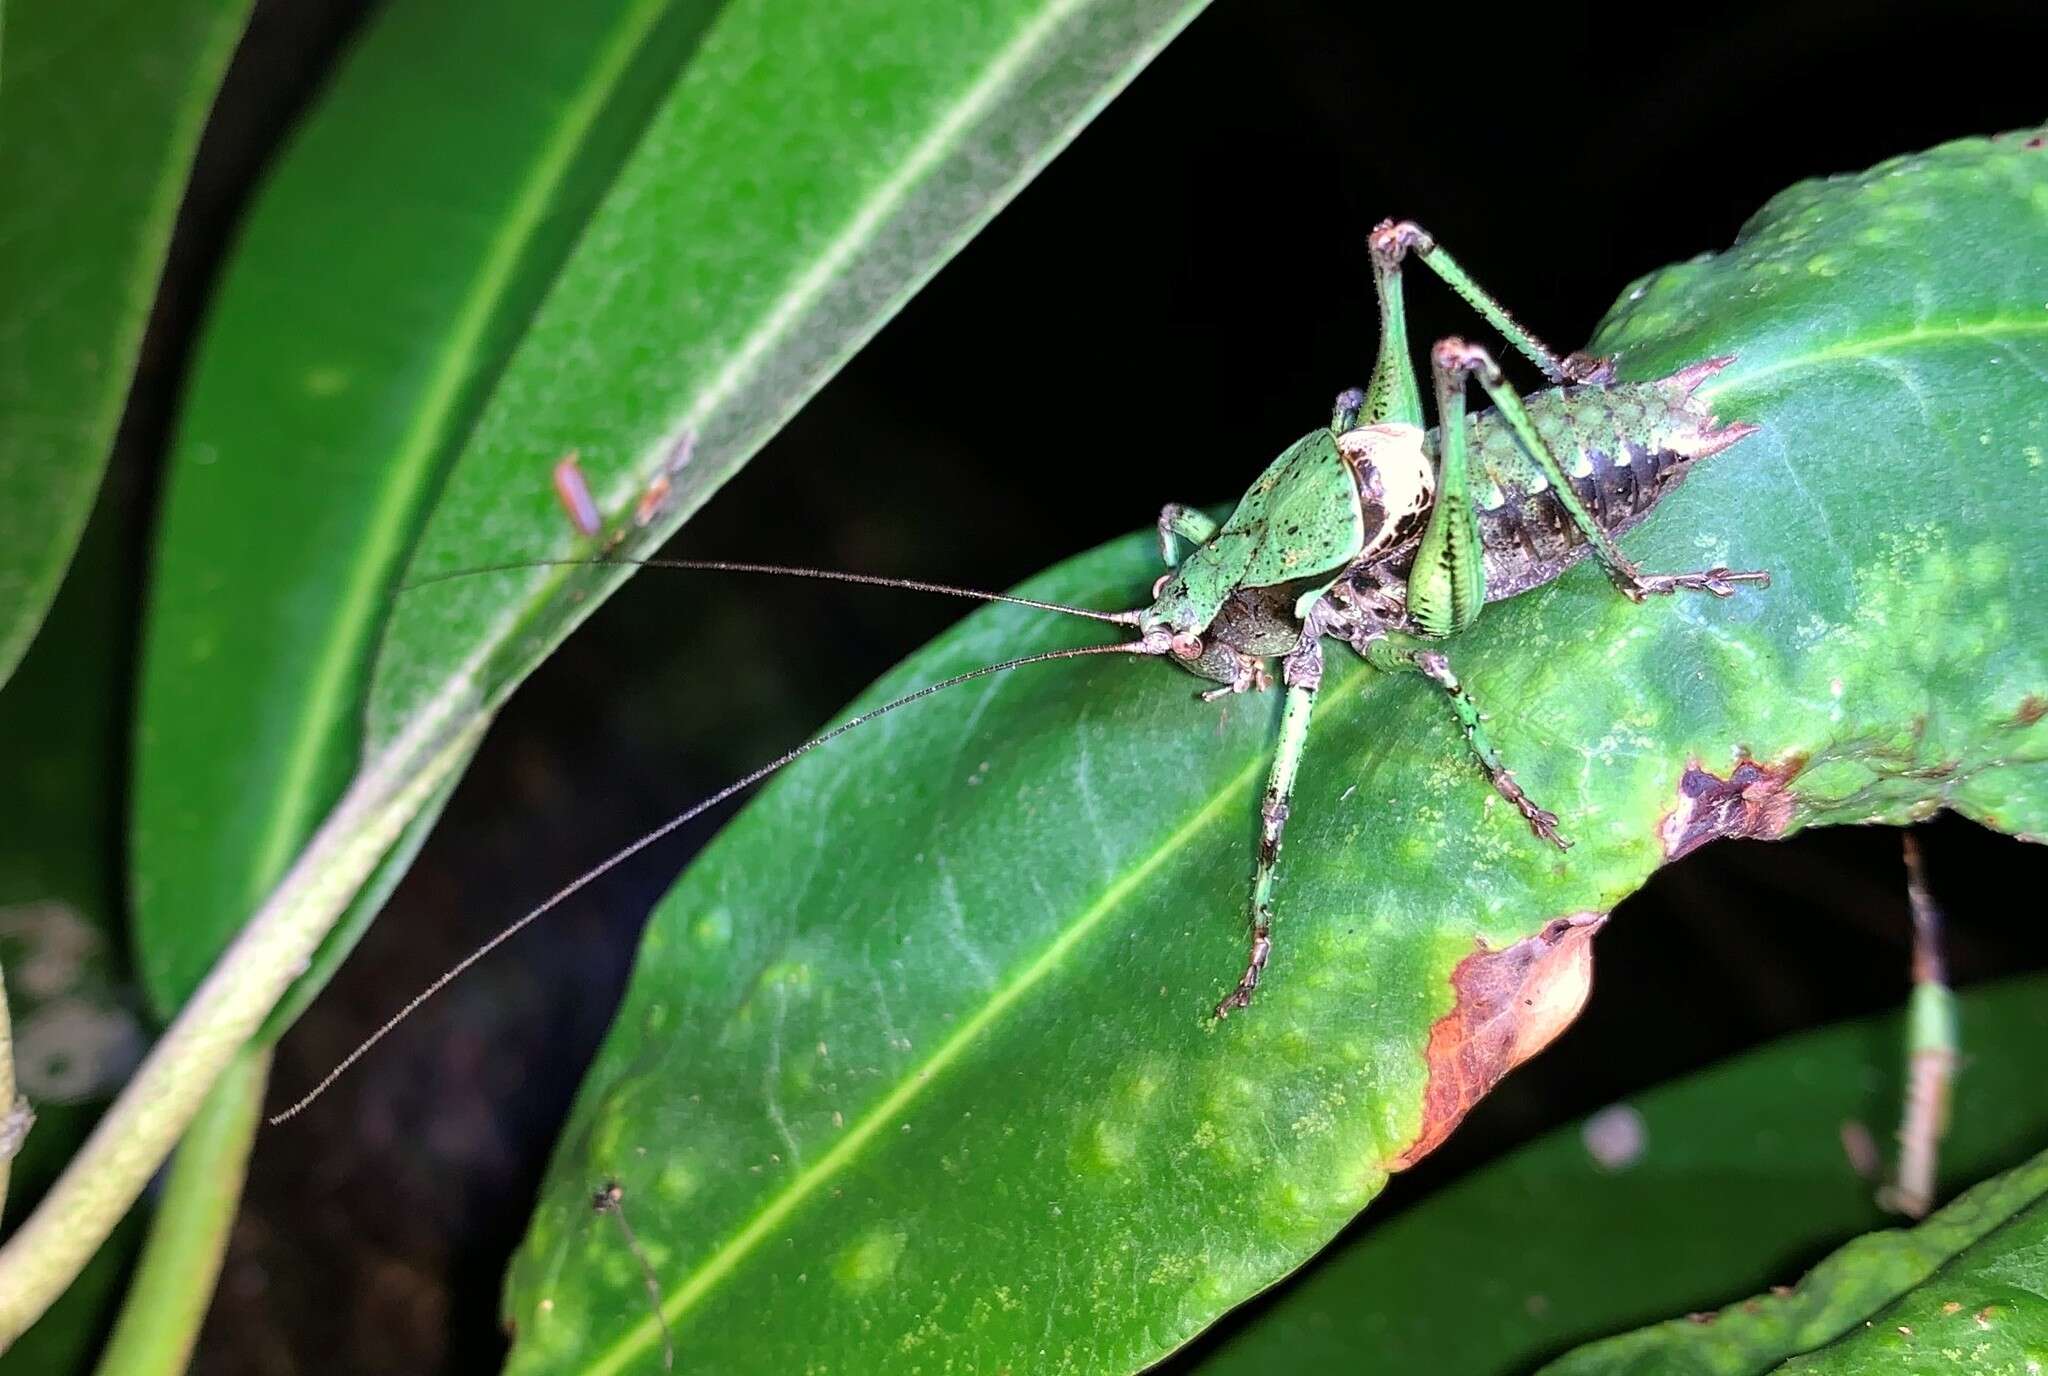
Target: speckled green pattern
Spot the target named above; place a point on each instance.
(1966, 1291)
(916, 1072)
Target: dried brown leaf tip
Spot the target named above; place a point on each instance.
(1755, 800)
(1509, 1004)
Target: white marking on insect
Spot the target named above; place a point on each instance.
(1394, 458)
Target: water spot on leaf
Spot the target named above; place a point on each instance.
(870, 1261)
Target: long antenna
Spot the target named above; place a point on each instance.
(1130, 618)
(1151, 645)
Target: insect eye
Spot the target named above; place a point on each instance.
(1187, 645)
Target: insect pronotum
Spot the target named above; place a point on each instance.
(1367, 531)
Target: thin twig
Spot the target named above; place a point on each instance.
(1930, 1053)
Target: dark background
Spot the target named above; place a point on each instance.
(1195, 262)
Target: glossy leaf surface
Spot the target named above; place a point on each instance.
(917, 1066)
(101, 102)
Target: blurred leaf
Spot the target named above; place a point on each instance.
(386, 272)
(809, 170)
(792, 178)
(1715, 1185)
(799, 178)
(917, 1058)
(1967, 1290)
(75, 1035)
(101, 102)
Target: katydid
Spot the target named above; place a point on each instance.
(1371, 531)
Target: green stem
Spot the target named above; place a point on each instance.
(138, 1131)
(188, 1236)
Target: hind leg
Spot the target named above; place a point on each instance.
(1456, 358)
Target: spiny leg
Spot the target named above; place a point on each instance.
(1395, 239)
(1455, 356)
(1303, 674)
(1401, 654)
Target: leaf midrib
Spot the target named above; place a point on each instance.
(733, 1251)
(1738, 381)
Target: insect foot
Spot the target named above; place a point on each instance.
(1248, 983)
(1588, 369)
(1719, 581)
(1542, 821)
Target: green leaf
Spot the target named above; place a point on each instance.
(102, 102)
(798, 177)
(809, 170)
(706, 280)
(386, 273)
(1967, 1290)
(75, 1034)
(917, 1058)
(1732, 1171)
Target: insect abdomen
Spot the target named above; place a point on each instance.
(1625, 447)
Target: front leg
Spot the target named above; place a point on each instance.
(1302, 672)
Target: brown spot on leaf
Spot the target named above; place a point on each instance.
(2033, 707)
(1510, 1004)
(1754, 800)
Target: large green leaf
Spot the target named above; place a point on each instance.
(806, 167)
(809, 170)
(917, 1061)
(755, 234)
(101, 104)
(1700, 1190)
(388, 269)
(1967, 1290)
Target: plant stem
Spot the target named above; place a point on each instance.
(188, 1237)
(144, 1123)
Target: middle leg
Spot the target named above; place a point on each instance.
(1395, 653)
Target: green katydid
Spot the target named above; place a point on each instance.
(1370, 530)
